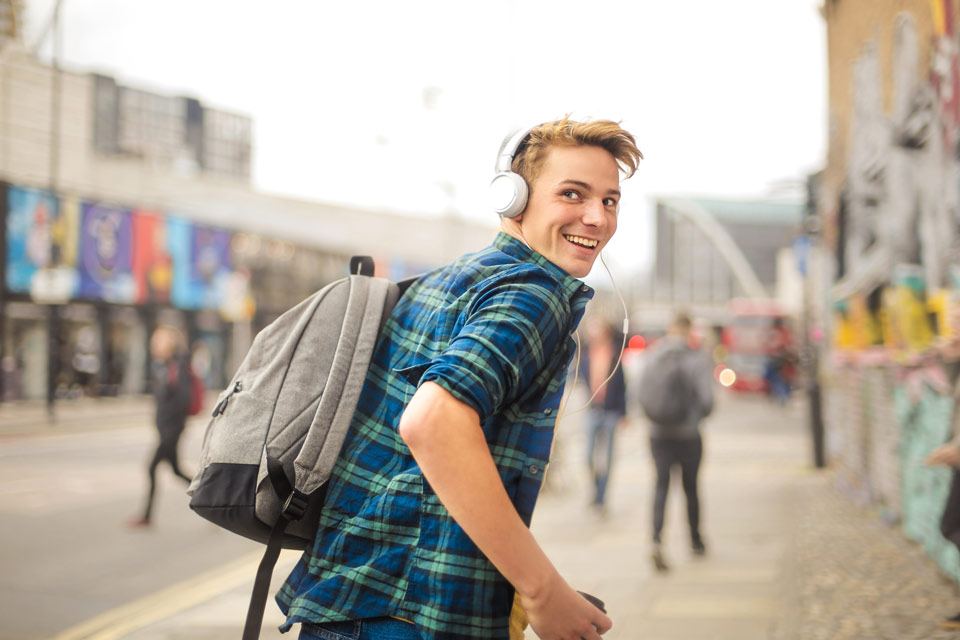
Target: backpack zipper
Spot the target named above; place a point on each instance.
(222, 405)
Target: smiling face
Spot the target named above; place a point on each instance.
(572, 210)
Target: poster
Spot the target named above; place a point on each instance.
(152, 264)
(201, 264)
(41, 241)
(106, 241)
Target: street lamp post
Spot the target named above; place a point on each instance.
(53, 310)
(809, 356)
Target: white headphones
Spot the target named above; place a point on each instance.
(508, 190)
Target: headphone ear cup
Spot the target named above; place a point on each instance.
(508, 194)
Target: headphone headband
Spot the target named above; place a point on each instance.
(508, 149)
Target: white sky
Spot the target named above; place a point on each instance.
(725, 98)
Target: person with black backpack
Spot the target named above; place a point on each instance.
(676, 393)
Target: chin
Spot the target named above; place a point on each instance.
(579, 270)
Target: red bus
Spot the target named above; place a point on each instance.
(757, 336)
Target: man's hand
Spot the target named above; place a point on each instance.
(558, 612)
(944, 455)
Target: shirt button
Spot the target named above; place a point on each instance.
(533, 469)
(584, 288)
(547, 411)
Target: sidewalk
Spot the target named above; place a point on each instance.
(32, 417)
(789, 558)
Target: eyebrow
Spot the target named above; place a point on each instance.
(584, 185)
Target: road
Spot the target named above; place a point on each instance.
(65, 551)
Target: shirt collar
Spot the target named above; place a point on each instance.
(517, 249)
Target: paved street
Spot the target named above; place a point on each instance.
(788, 558)
(66, 492)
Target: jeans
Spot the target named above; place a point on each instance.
(600, 437)
(687, 453)
(366, 629)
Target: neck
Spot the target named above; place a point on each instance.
(513, 228)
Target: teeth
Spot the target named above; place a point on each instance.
(583, 242)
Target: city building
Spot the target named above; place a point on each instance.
(709, 251)
(124, 209)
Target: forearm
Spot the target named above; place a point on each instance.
(446, 440)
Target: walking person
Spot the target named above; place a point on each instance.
(172, 395)
(676, 393)
(424, 531)
(948, 455)
(608, 405)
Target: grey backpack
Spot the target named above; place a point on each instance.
(277, 429)
(666, 391)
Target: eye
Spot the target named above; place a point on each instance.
(610, 202)
(572, 194)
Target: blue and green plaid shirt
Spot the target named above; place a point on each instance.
(493, 329)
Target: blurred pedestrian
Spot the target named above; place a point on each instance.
(172, 394)
(778, 368)
(608, 405)
(948, 455)
(676, 393)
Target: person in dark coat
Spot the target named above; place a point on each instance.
(608, 407)
(171, 391)
(679, 445)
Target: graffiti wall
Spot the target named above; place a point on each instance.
(899, 226)
(893, 223)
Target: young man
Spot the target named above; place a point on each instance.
(424, 532)
(680, 444)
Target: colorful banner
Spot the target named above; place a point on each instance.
(41, 237)
(60, 249)
(106, 241)
(201, 264)
(152, 262)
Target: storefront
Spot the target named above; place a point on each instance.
(85, 283)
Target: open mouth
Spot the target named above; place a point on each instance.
(580, 241)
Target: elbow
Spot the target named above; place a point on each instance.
(414, 433)
(409, 432)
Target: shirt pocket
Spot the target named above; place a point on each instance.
(393, 514)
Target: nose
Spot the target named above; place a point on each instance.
(594, 214)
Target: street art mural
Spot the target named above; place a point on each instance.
(896, 329)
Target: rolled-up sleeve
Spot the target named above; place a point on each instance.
(509, 332)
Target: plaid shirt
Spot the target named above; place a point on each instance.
(493, 329)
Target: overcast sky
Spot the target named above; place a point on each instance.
(402, 105)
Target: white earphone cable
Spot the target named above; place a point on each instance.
(623, 346)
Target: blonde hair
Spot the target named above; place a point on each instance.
(606, 134)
